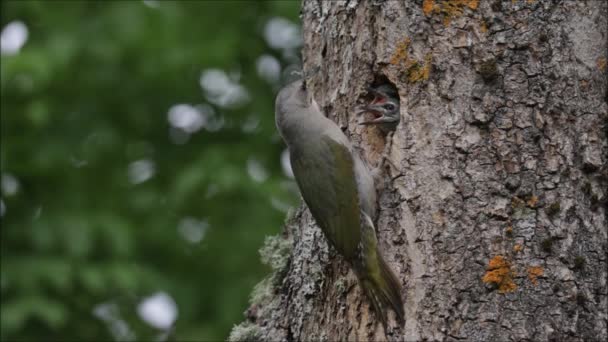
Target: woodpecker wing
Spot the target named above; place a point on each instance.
(325, 175)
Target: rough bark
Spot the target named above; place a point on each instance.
(495, 221)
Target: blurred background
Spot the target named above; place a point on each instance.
(140, 166)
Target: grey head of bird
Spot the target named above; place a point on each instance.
(292, 95)
(295, 112)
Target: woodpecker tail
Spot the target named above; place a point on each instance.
(383, 290)
(377, 279)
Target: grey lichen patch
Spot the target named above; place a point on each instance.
(262, 292)
(340, 285)
(262, 299)
(291, 216)
(523, 213)
(245, 332)
(275, 252)
(316, 277)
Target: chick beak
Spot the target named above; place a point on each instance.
(373, 105)
(376, 110)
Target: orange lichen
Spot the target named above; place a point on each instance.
(414, 70)
(532, 201)
(401, 55)
(601, 63)
(472, 4)
(449, 8)
(417, 72)
(447, 20)
(517, 202)
(499, 272)
(456, 6)
(427, 6)
(426, 69)
(530, 1)
(438, 217)
(534, 272)
(483, 27)
(517, 248)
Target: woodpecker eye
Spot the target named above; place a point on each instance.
(389, 106)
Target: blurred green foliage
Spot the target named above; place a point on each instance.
(105, 197)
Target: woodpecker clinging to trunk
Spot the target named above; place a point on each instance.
(338, 188)
(384, 106)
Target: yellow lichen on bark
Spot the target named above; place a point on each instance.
(428, 59)
(534, 272)
(499, 272)
(458, 5)
(472, 4)
(449, 8)
(438, 218)
(417, 72)
(483, 26)
(601, 63)
(532, 201)
(517, 202)
(401, 55)
(414, 70)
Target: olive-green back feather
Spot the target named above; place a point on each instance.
(325, 175)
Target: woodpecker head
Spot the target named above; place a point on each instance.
(384, 107)
(292, 97)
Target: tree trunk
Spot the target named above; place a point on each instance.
(494, 218)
